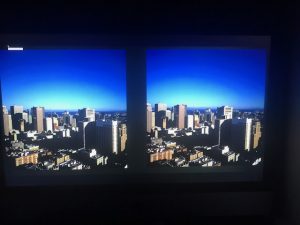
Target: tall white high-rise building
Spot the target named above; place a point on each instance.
(122, 137)
(7, 121)
(172, 114)
(169, 114)
(153, 119)
(55, 123)
(149, 118)
(48, 124)
(25, 117)
(218, 129)
(82, 131)
(73, 121)
(255, 134)
(241, 134)
(107, 136)
(196, 120)
(4, 110)
(190, 121)
(7, 124)
(29, 117)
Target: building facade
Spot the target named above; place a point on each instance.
(38, 114)
(224, 112)
(241, 134)
(107, 137)
(149, 118)
(179, 116)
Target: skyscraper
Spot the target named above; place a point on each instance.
(218, 128)
(29, 116)
(82, 131)
(255, 134)
(21, 125)
(190, 121)
(107, 136)
(21, 119)
(122, 136)
(25, 117)
(241, 134)
(224, 112)
(14, 111)
(196, 120)
(87, 132)
(164, 122)
(38, 114)
(160, 113)
(153, 120)
(66, 118)
(168, 114)
(55, 123)
(172, 114)
(48, 124)
(86, 114)
(209, 116)
(223, 131)
(160, 118)
(7, 124)
(73, 121)
(149, 118)
(160, 107)
(179, 115)
(4, 110)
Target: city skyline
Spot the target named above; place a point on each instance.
(207, 77)
(62, 110)
(70, 79)
(202, 107)
(37, 140)
(186, 138)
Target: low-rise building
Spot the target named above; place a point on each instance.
(17, 145)
(91, 157)
(156, 141)
(31, 158)
(195, 154)
(61, 158)
(222, 154)
(179, 161)
(31, 147)
(170, 144)
(166, 154)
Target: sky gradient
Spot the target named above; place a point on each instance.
(64, 79)
(207, 77)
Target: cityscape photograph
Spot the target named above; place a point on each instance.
(64, 109)
(205, 107)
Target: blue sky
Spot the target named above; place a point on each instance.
(64, 79)
(207, 77)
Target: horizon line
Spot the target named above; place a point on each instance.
(206, 107)
(50, 109)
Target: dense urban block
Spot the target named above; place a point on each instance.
(207, 137)
(38, 139)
